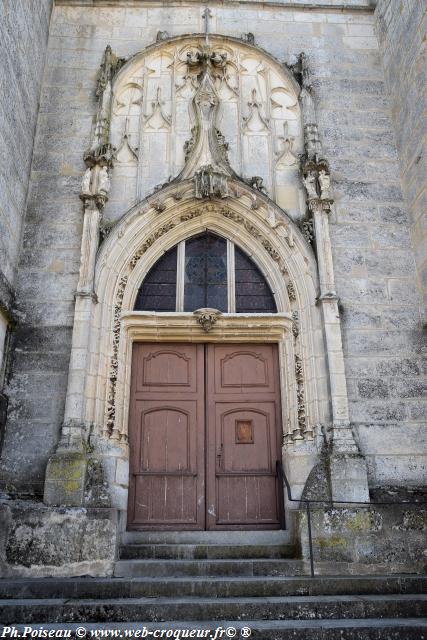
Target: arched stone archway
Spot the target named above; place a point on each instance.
(287, 262)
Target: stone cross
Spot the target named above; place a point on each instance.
(207, 13)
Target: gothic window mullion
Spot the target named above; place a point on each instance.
(231, 280)
(180, 267)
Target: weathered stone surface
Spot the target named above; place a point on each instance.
(65, 479)
(41, 541)
(388, 536)
(401, 34)
(23, 43)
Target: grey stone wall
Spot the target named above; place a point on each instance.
(379, 539)
(370, 230)
(24, 28)
(402, 29)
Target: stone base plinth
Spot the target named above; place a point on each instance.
(381, 539)
(38, 541)
(348, 477)
(65, 479)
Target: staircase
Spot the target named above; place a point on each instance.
(224, 580)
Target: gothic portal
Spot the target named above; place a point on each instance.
(212, 312)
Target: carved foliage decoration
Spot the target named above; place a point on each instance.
(150, 241)
(111, 429)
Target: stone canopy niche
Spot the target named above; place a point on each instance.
(165, 98)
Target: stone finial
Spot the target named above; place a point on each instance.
(110, 65)
(162, 35)
(249, 37)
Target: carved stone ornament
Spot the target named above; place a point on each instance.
(286, 157)
(207, 318)
(300, 70)
(295, 324)
(98, 158)
(299, 375)
(95, 186)
(249, 38)
(159, 206)
(206, 159)
(255, 120)
(150, 241)
(291, 291)
(110, 65)
(210, 183)
(256, 182)
(112, 382)
(125, 152)
(161, 36)
(308, 230)
(102, 155)
(158, 119)
(237, 217)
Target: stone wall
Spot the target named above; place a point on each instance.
(370, 230)
(24, 29)
(401, 29)
(378, 539)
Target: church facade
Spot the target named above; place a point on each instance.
(218, 285)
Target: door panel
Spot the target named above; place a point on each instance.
(245, 436)
(243, 415)
(243, 368)
(166, 441)
(246, 500)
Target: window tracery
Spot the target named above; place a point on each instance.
(205, 271)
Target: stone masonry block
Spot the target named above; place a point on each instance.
(65, 479)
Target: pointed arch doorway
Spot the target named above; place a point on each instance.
(205, 418)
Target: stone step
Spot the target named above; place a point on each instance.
(278, 536)
(210, 609)
(235, 567)
(205, 551)
(92, 588)
(352, 629)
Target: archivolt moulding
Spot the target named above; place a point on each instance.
(120, 271)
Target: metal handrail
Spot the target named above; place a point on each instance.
(282, 475)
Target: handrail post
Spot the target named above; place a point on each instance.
(310, 539)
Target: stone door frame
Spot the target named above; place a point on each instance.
(175, 327)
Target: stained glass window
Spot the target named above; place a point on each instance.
(205, 273)
(253, 295)
(204, 279)
(158, 291)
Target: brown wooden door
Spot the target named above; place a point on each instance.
(243, 437)
(183, 430)
(167, 437)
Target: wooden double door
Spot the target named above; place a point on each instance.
(204, 437)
